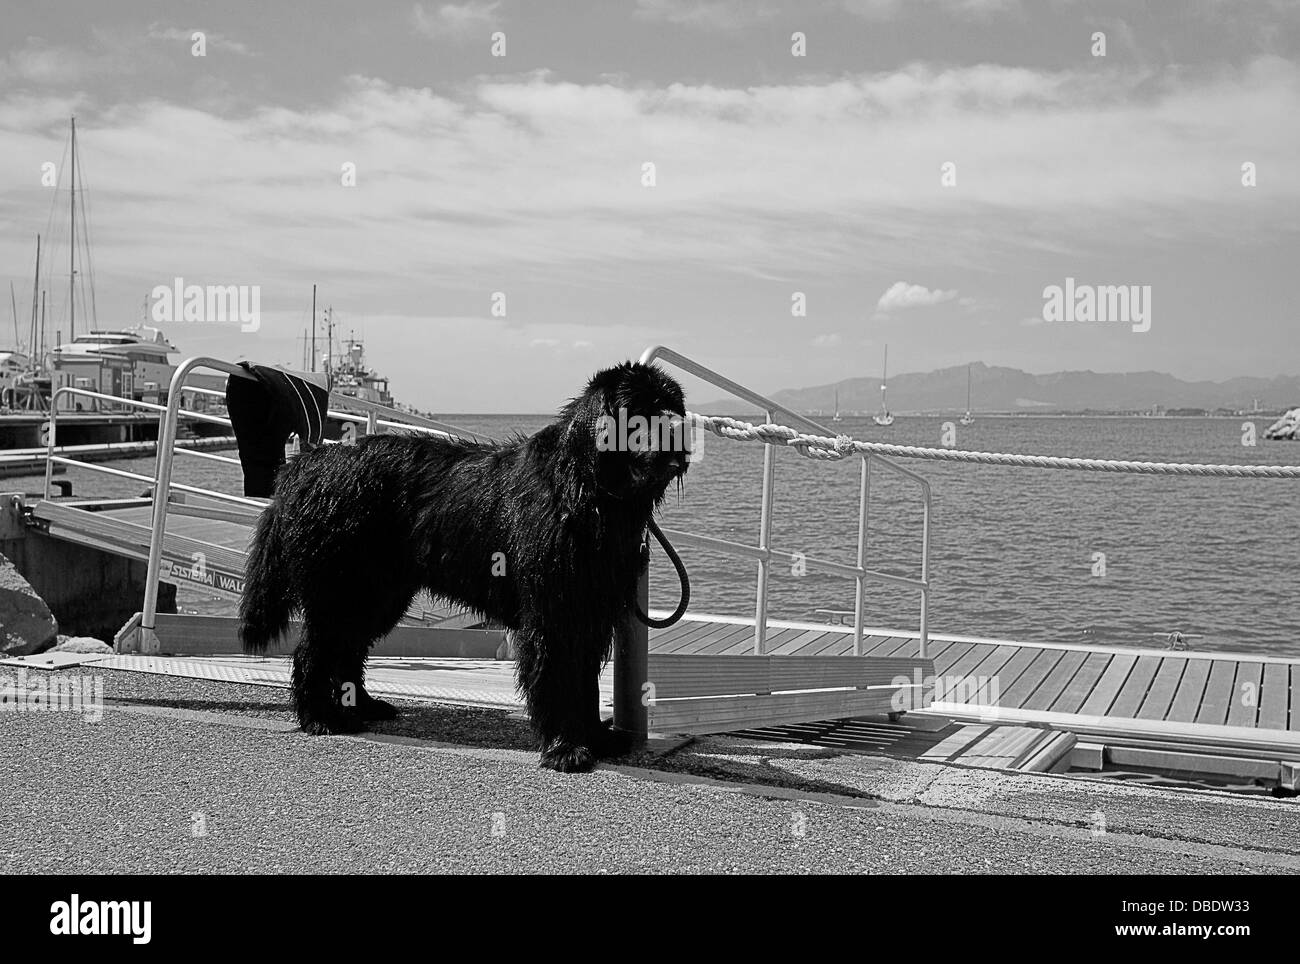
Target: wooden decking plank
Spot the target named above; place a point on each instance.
(845, 646)
(1135, 688)
(662, 637)
(877, 645)
(1243, 709)
(795, 647)
(1109, 686)
(1056, 681)
(745, 647)
(956, 674)
(828, 645)
(741, 643)
(1190, 690)
(947, 655)
(987, 669)
(695, 630)
(724, 634)
(1160, 696)
(1014, 696)
(903, 646)
(1011, 671)
(1218, 693)
(1081, 684)
(689, 645)
(1274, 697)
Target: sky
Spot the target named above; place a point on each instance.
(917, 178)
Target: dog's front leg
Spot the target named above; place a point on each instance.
(552, 680)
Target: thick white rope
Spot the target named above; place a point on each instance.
(841, 447)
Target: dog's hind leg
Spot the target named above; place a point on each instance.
(315, 684)
(366, 626)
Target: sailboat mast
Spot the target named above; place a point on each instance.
(72, 247)
(313, 327)
(968, 388)
(884, 379)
(36, 290)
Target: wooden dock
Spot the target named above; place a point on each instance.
(1228, 713)
(1037, 679)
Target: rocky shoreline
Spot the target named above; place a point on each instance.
(28, 627)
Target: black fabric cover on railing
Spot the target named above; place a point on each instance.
(266, 407)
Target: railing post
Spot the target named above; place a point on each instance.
(161, 493)
(860, 602)
(49, 451)
(925, 573)
(632, 661)
(764, 540)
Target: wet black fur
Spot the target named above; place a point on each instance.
(354, 531)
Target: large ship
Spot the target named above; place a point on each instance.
(349, 375)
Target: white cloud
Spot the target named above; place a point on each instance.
(455, 21)
(719, 15)
(213, 41)
(968, 9)
(904, 295)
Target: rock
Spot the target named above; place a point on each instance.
(26, 624)
(81, 644)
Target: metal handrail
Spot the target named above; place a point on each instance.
(408, 420)
(763, 552)
(167, 451)
(51, 459)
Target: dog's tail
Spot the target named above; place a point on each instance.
(265, 608)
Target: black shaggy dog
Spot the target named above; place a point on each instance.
(541, 534)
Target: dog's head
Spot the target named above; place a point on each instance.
(629, 427)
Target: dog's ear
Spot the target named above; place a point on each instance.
(584, 417)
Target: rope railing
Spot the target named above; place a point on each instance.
(824, 448)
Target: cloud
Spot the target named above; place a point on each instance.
(967, 9)
(826, 341)
(903, 295)
(526, 181)
(213, 41)
(455, 21)
(716, 15)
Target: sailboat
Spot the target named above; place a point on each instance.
(968, 418)
(885, 417)
(836, 417)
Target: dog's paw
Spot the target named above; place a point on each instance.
(567, 758)
(374, 710)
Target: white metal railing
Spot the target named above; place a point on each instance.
(242, 509)
(764, 553)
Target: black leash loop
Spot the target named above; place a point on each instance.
(682, 577)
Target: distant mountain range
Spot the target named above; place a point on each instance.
(996, 389)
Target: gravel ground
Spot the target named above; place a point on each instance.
(235, 789)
